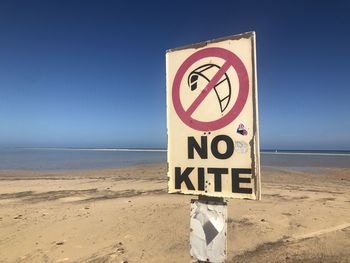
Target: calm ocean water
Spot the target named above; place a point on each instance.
(81, 159)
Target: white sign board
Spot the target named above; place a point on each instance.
(212, 118)
(208, 231)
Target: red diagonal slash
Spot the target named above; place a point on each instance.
(208, 88)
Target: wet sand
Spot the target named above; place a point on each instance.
(126, 215)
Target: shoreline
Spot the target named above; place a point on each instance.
(74, 171)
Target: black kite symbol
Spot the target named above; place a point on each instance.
(222, 88)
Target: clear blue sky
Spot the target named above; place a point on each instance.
(92, 73)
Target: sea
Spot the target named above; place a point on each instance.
(73, 159)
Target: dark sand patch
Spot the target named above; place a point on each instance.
(308, 250)
(86, 195)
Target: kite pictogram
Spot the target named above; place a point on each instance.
(205, 73)
(230, 60)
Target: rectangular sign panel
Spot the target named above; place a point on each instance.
(212, 118)
(208, 231)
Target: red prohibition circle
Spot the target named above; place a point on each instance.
(230, 60)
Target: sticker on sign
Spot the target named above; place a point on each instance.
(212, 105)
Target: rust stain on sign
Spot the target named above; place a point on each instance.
(247, 35)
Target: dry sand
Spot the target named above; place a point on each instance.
(125, 215)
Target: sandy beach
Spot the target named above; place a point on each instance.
(126, 215)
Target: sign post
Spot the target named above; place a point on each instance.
(213, 139)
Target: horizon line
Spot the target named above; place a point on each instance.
(155, 149)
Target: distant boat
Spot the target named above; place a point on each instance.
(275, 151)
